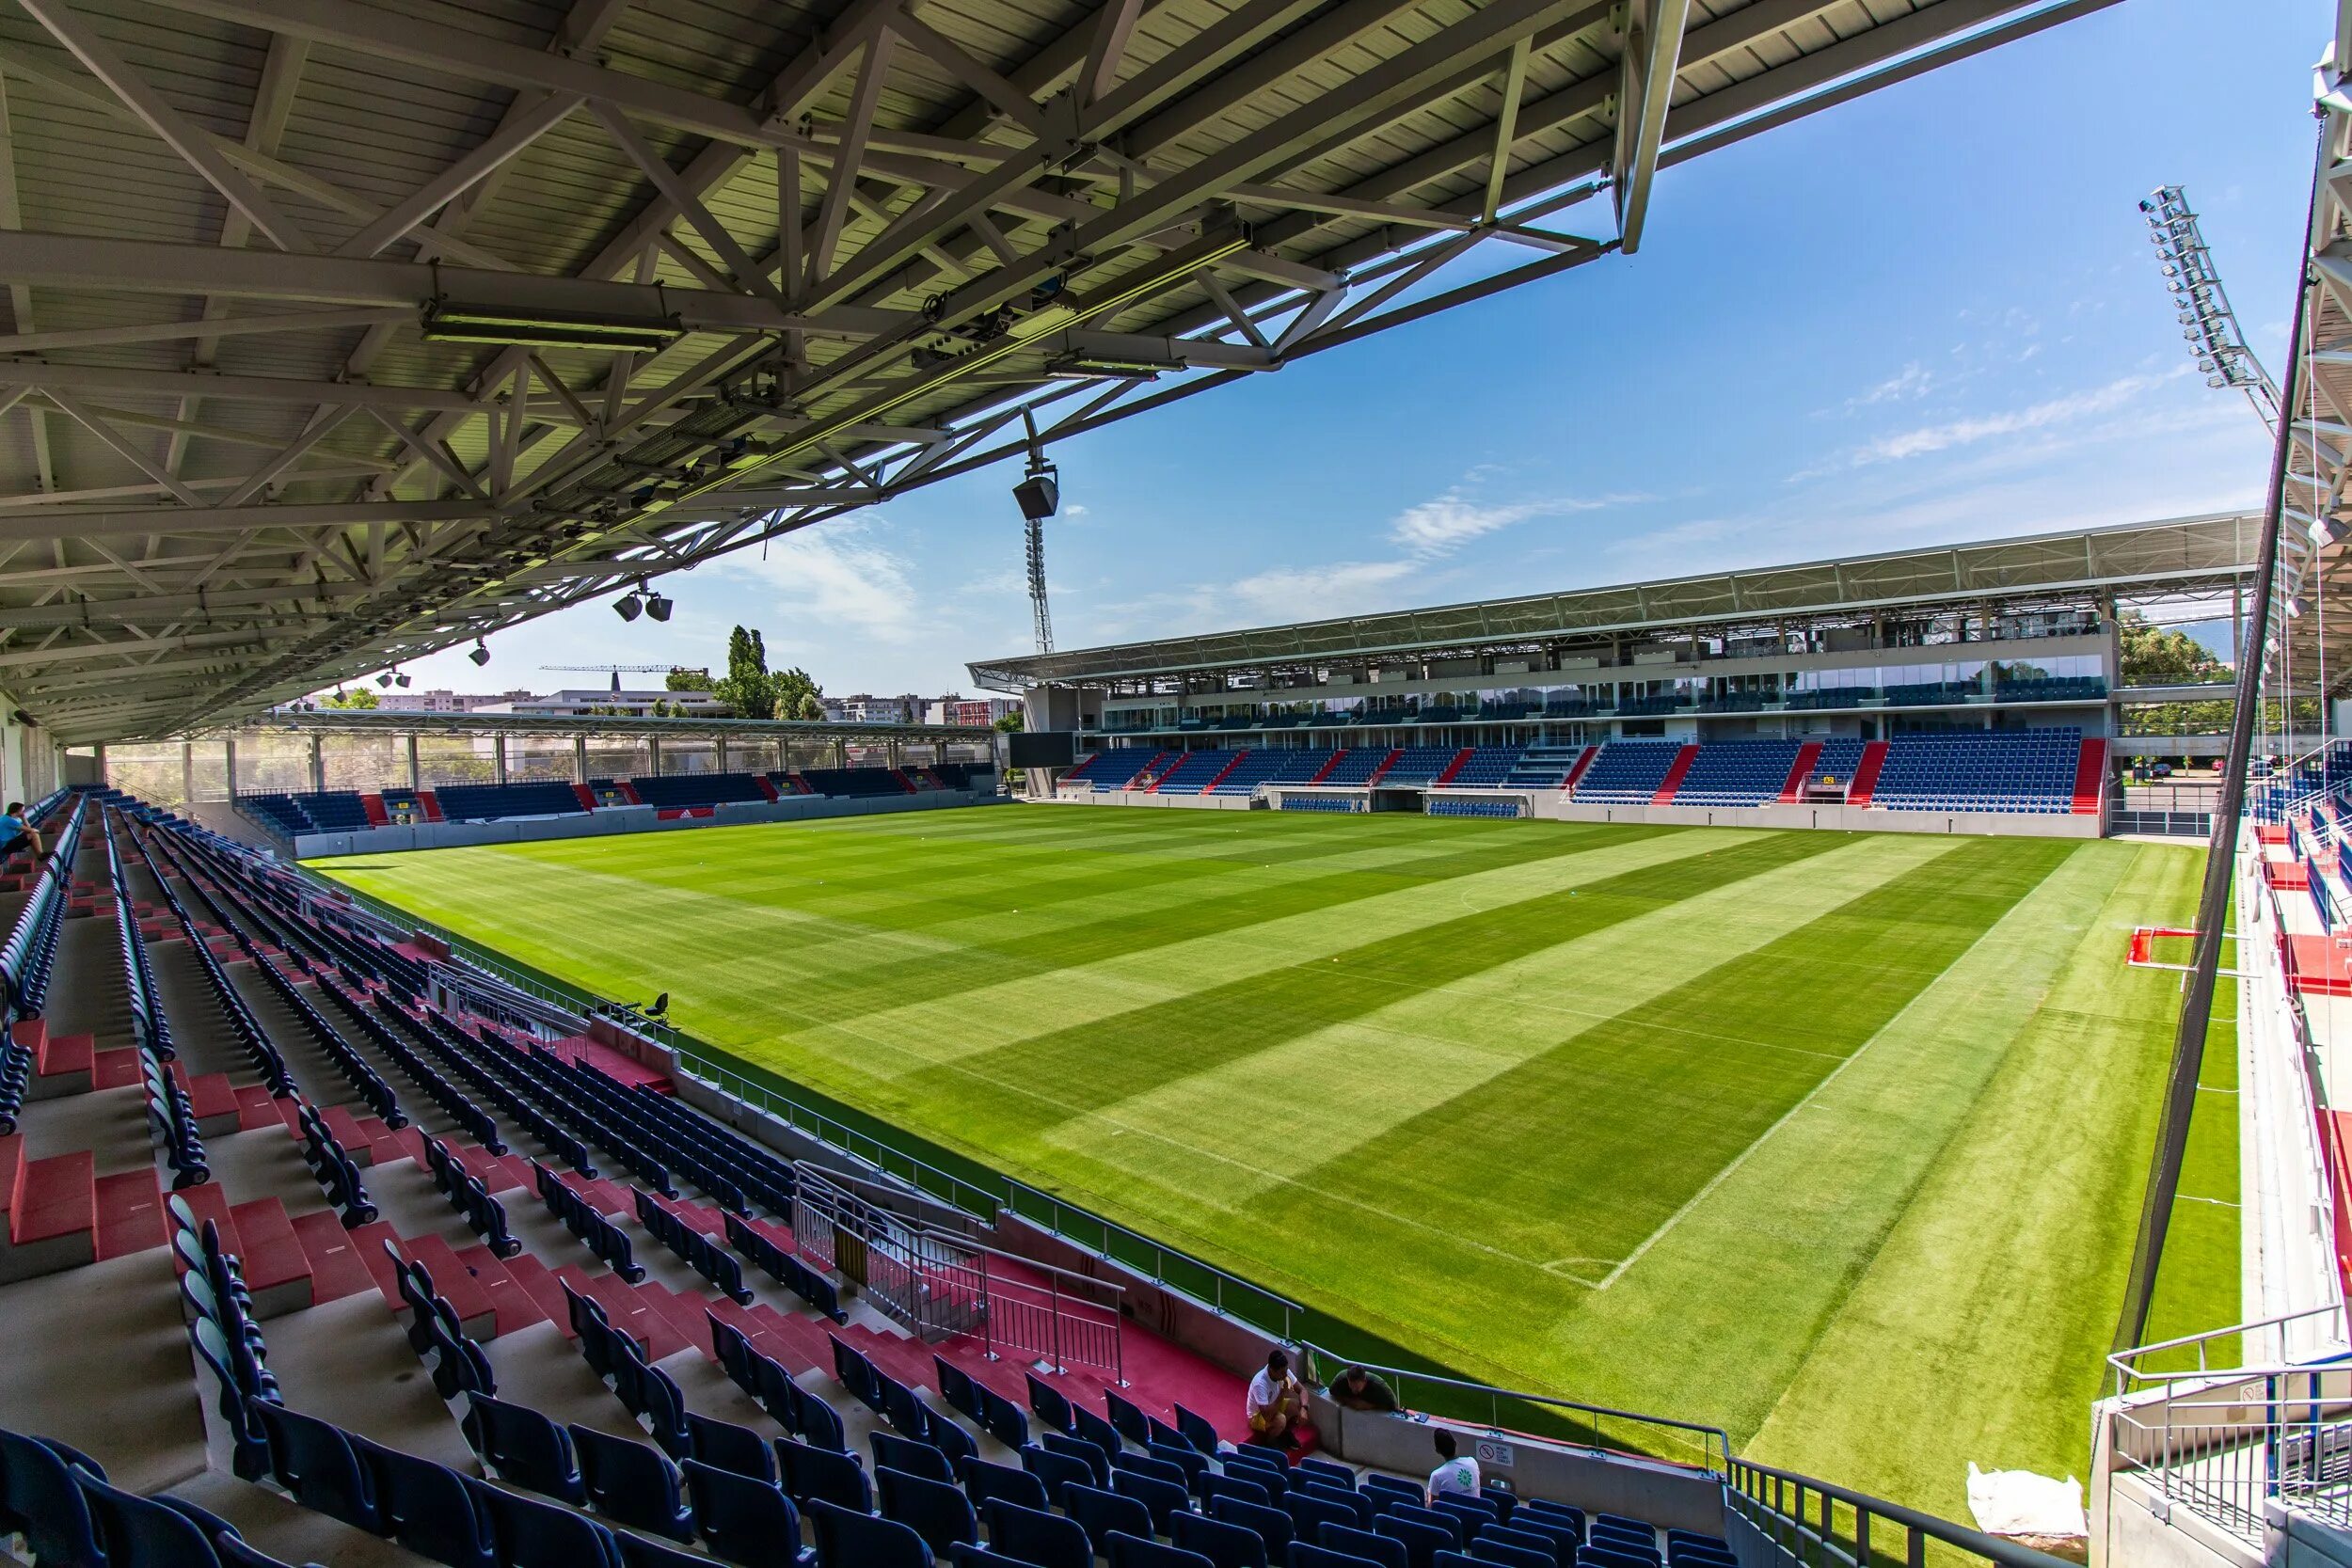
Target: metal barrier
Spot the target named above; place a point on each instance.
(1694, 1443)
(938, 1283)
(1778, 1516)
(2225, 1443)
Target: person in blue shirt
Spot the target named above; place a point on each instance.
(16, 833)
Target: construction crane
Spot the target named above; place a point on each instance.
(2207, 322)
(616, 671)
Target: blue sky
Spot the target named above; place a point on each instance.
(1927, 316)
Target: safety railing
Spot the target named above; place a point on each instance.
(1596, 1429)
(1779, 1517)
(2228, 1447)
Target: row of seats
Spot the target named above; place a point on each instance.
(677, 790)
(856, 782)
(1629, 772)
(324, 811)
(2019, 771)
(496, 802)
(1738, 773)
(1455, 805)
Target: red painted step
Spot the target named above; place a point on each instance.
(276, 1266)
(1325, 771)
(1221, 772)
(66, 1056)
(1675, 773)
(373, 806)
(430, 803)
(1584, 761)
(539, 1282)
(1386, 762)
(130, 1214)
(2091, 777)
(515, 1307)
(56, 1196)
(256, 1109)
(768, 787)
(586, 797)
(477, 1313)
(1866, 775)
(115, 1069)
(1809, 757)
(1461, 760)
(339, 1264)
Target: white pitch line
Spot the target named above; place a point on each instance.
(1762, 1138)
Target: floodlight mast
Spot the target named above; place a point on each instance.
(2207, 322)
(1039, 496)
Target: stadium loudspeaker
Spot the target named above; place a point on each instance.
(1039, 494)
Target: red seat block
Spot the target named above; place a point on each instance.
(57, 1197)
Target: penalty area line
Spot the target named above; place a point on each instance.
(1764, 1137)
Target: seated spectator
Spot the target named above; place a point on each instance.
(1275, 1405)
(1456, 1475)
(18, 833)
(1356, 1388)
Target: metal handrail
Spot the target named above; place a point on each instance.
(1786, 1524)
(1712, 1439)
(2124, 1372)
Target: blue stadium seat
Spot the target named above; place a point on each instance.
(935, 1510)
(1627, 772)
(1141, 1551)
(1386, 1550)
(984, 1483)
(1102, 1514)
(1222, 1541)
(846, 1539)
(41, 1502)
(434, 1511)
(810, 1473)
(633, 1484)
(1034, 1535)
(741, 1519)
(524, 1449)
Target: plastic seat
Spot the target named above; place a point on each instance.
(846, 1539)
(632, 1484)
(431, 1510)
(1004, 1420)
(1102, 1514)
(811, 1473)
(1033, 1535)
(1386, 1550)
(1309, 1513)
(1141, 1551)
(1163, 1498)
(524, 1449)
(1507, 1538)
(1225, 1544)
(1396, 1486)
(949, 1438)
(1486, 1550)
(935, 1510)
(1471, 1514)
(956, 1386)
(985, 1483)
(314, 1462)
(1364, 1506)
(1193, 1467)
(1231, 1484)
(1128, 1418)
(41, 1500)
(743, 1520)
(1421, 1542)
(724, 1445)
(143, 1532)
(1272, 1524)
(1301, 1554)
(1432, 1518)
(234, 1551)
(533, 1534)
(980, 1557)
(893, 1452)
(1058, 1471)
(1563, 1535)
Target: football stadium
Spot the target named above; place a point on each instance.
(1822, 1064)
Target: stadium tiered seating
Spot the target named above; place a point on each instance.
(1840, 696)
(328, 810)
(1627, 772)
(1418, 765)
(1114, 768)
(1543, 767)
(1455, 805)
(496, 802)
(1195, 772)
(1486, 768)
(1273, 765)
(2013, 770)
(697, 790)
(2052, 689)
(858, 782)
(1933, 693)
(1357, 764)
(1738, 773)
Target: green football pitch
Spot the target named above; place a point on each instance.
(1835, 1140)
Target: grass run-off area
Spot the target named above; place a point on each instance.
(1836, 1140)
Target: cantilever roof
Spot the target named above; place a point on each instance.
(235, 466)
(2185, 555)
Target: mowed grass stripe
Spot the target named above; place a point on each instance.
(2002, 1277)
(1432, 1045)
(1052, 1077)
(1802, 1216)
(1578, 1155)
(1101, 971)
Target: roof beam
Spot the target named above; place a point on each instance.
(146, 266)
(55, 379)
(1646, 84)
(514, 135)
(59, 522)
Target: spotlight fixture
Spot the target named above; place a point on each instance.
(658, 606)
(400, 680)
(1039, 493)
(448, 322)
(385, 680)
(627, 607)
(2202, 309)
(481, 654)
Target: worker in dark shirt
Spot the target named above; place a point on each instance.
(1356, 1388)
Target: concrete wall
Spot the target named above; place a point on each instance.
(622, 820)
(1139, 798)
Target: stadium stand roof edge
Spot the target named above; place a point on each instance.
(2177, 555)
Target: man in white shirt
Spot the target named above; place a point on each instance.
(1274, 1403)
(1456, 1475)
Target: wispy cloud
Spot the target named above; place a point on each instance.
(1305, 592)
(1912, 381)
(1944, 435)
(1441, 526)
(840, 574)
